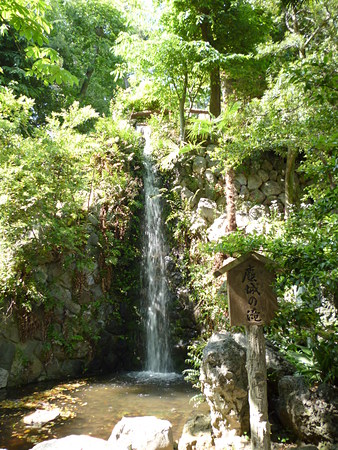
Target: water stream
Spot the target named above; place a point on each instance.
(158, 357)
(93, 406)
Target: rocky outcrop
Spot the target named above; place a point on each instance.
(259, 182)
(311, 415)
(78, 331)
(142, 433)
(197, 434)
(224, 383)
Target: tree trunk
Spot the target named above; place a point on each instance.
(290, 188)
(88, 75)
(258, 399)
(215, 92)
(85, 84)
(230, 199)
(182, 121)
(182, 111)
(215, 78)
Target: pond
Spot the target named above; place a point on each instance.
(93, 406)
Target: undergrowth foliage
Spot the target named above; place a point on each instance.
(305, 249)
(53, 181)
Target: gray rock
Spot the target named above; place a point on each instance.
(210, 177)
(73, 307)
(3, 377)
(273, 175)
(73, 442)
(210, 192)
(65, 279)
(9, 329)
(237, 186)
(221, 203)
(307, 447)
(96, 291)
(277, 367)
(198, 224)
(256, 212)
(26, 367)
(268, 201)
(7, 352)
(230, 441)
(263, 175)
(72, 367)
(60, 293)
(90, 279)
(254, 182)
(41, 274)
(257, 226)
(207, 209)
(266, 165)
(312, 416)
(218, 229)
(281, 198)
(224, 383)
(41, 416)
(257, 196)
(54, 270)
(186, 194)
(241, 178)
(196, 434)
(142, 433)
(271, 188)
(244, 193)
(199, 164)
(242, 219)
(328, 446)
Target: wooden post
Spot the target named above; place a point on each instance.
(258, 399)
(253, 303)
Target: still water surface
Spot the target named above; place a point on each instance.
(94, 406)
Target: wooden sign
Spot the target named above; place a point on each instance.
(251, 298)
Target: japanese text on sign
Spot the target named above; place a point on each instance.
(251, 289)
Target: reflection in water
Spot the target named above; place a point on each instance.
(97, 405)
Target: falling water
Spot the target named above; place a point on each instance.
(157, 295)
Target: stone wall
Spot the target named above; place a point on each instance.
(260, 185)
(84, 328)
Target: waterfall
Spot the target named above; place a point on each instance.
(158, 357)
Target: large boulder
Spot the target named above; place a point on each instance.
(224, 383)
(254, 182)
(73, 442)
(311, 415)
(207, 209)
(271, 188)
(218, 229)
(142, 433)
